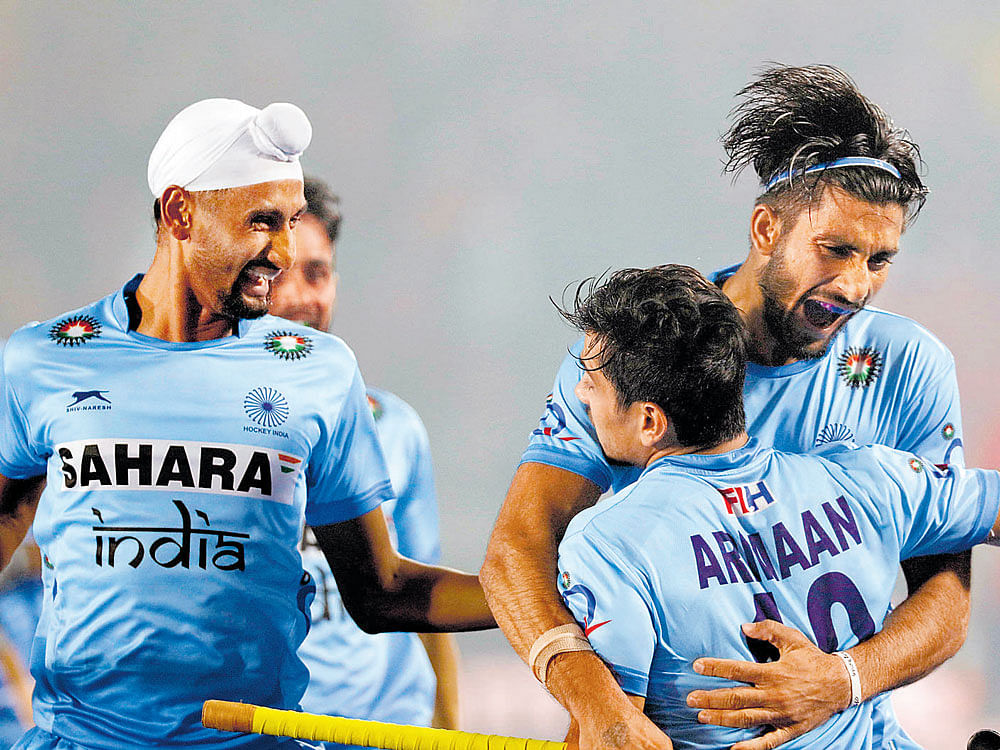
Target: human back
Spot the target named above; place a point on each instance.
(702, 544)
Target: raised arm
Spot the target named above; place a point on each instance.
(519, 577)
(18, 501)
(384, 591)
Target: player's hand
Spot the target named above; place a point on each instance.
(800, 691)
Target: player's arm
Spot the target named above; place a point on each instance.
(18, 501)
(519, 576)
(443, 655)
(383, 591)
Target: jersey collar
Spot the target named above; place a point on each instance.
(126, 313)
(712, 463)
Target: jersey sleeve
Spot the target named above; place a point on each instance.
(565, 436)
(20, 458)
(932, 421)
(612, 606)
(936, 510)
(416, 513)
(347, 475)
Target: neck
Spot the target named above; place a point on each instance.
(685, 450)
(171, 310)
(744, 292)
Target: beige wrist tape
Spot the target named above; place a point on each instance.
(558, 640)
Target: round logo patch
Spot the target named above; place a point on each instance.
(860, 366)
(916, 465)
(375, 405)
(948, 431)
(565, 580)
(75, 331)
(266, 407)
(288, 345)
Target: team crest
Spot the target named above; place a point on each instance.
(565, 581)
(834, 433)
(266, 407)
(75, 331)
(860, 366)
(288, 345)
(948, 431)
(917, 465)
(375, 405)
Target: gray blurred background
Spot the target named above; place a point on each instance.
(487, 155)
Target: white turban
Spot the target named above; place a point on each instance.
(223, 143)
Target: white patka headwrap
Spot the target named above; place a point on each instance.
(223, 143)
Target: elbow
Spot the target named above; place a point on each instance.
(367, 613)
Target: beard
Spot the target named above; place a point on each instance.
(236, 306)
(793, 340)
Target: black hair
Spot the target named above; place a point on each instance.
(324, 204)
(792, 118)
(669, 336)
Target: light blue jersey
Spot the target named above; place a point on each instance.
(668, 569)
(883, 380)
(179, 476)
(387, 676)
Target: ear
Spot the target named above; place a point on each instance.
(655, 425)
(765, 229)
(175, 212)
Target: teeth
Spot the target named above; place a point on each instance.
(832, 308)
(264, 274)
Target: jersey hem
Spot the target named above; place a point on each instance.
(584, 467)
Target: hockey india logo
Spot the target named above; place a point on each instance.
(75, 331)
(266, 407)
(288, 345)
(860, 366)
(565, 580)
(948, 431)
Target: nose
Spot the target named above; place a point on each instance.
(581, 392)
(855, 281)
(282, 252)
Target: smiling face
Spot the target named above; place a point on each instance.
(823, 268)
(240, 240)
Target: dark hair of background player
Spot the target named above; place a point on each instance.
(792, 118)
(324, 204)
(668, 336)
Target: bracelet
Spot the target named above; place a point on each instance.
(852, 672)
(558, 640)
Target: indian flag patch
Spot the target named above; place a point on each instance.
(75, 331)
(288, 463)
(860, 366)
(288, 345)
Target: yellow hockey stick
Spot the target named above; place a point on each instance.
(243, 717)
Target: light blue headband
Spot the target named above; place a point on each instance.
(847, 161)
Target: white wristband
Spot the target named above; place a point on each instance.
(852, 672)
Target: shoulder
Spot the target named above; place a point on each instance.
(38, 341)
(295, 342)
(891, 332)
(630, 518)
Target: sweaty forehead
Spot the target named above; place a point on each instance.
(840, 217)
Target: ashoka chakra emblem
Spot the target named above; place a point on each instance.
(266, 407)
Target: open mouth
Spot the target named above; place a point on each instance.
(257, 279)
(822, 314)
